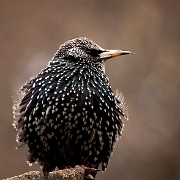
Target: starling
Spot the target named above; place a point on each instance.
(68, 114)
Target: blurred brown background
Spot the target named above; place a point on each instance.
(31, 32)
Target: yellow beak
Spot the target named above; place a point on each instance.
(113, 53)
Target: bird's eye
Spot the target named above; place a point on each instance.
(93, 52)
(88, 51)
(71, 58)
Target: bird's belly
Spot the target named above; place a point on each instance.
(74, 142)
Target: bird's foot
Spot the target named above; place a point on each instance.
(56, 169)
(88, 171)
(68, 167)
(45, 175)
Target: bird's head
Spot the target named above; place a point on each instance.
(83, 49)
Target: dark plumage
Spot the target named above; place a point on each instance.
(68, 114)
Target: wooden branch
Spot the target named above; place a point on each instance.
(65, 174)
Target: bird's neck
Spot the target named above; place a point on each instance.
(94, 67)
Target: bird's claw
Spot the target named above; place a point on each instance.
(88, 171)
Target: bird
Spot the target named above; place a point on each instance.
(68, 114)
